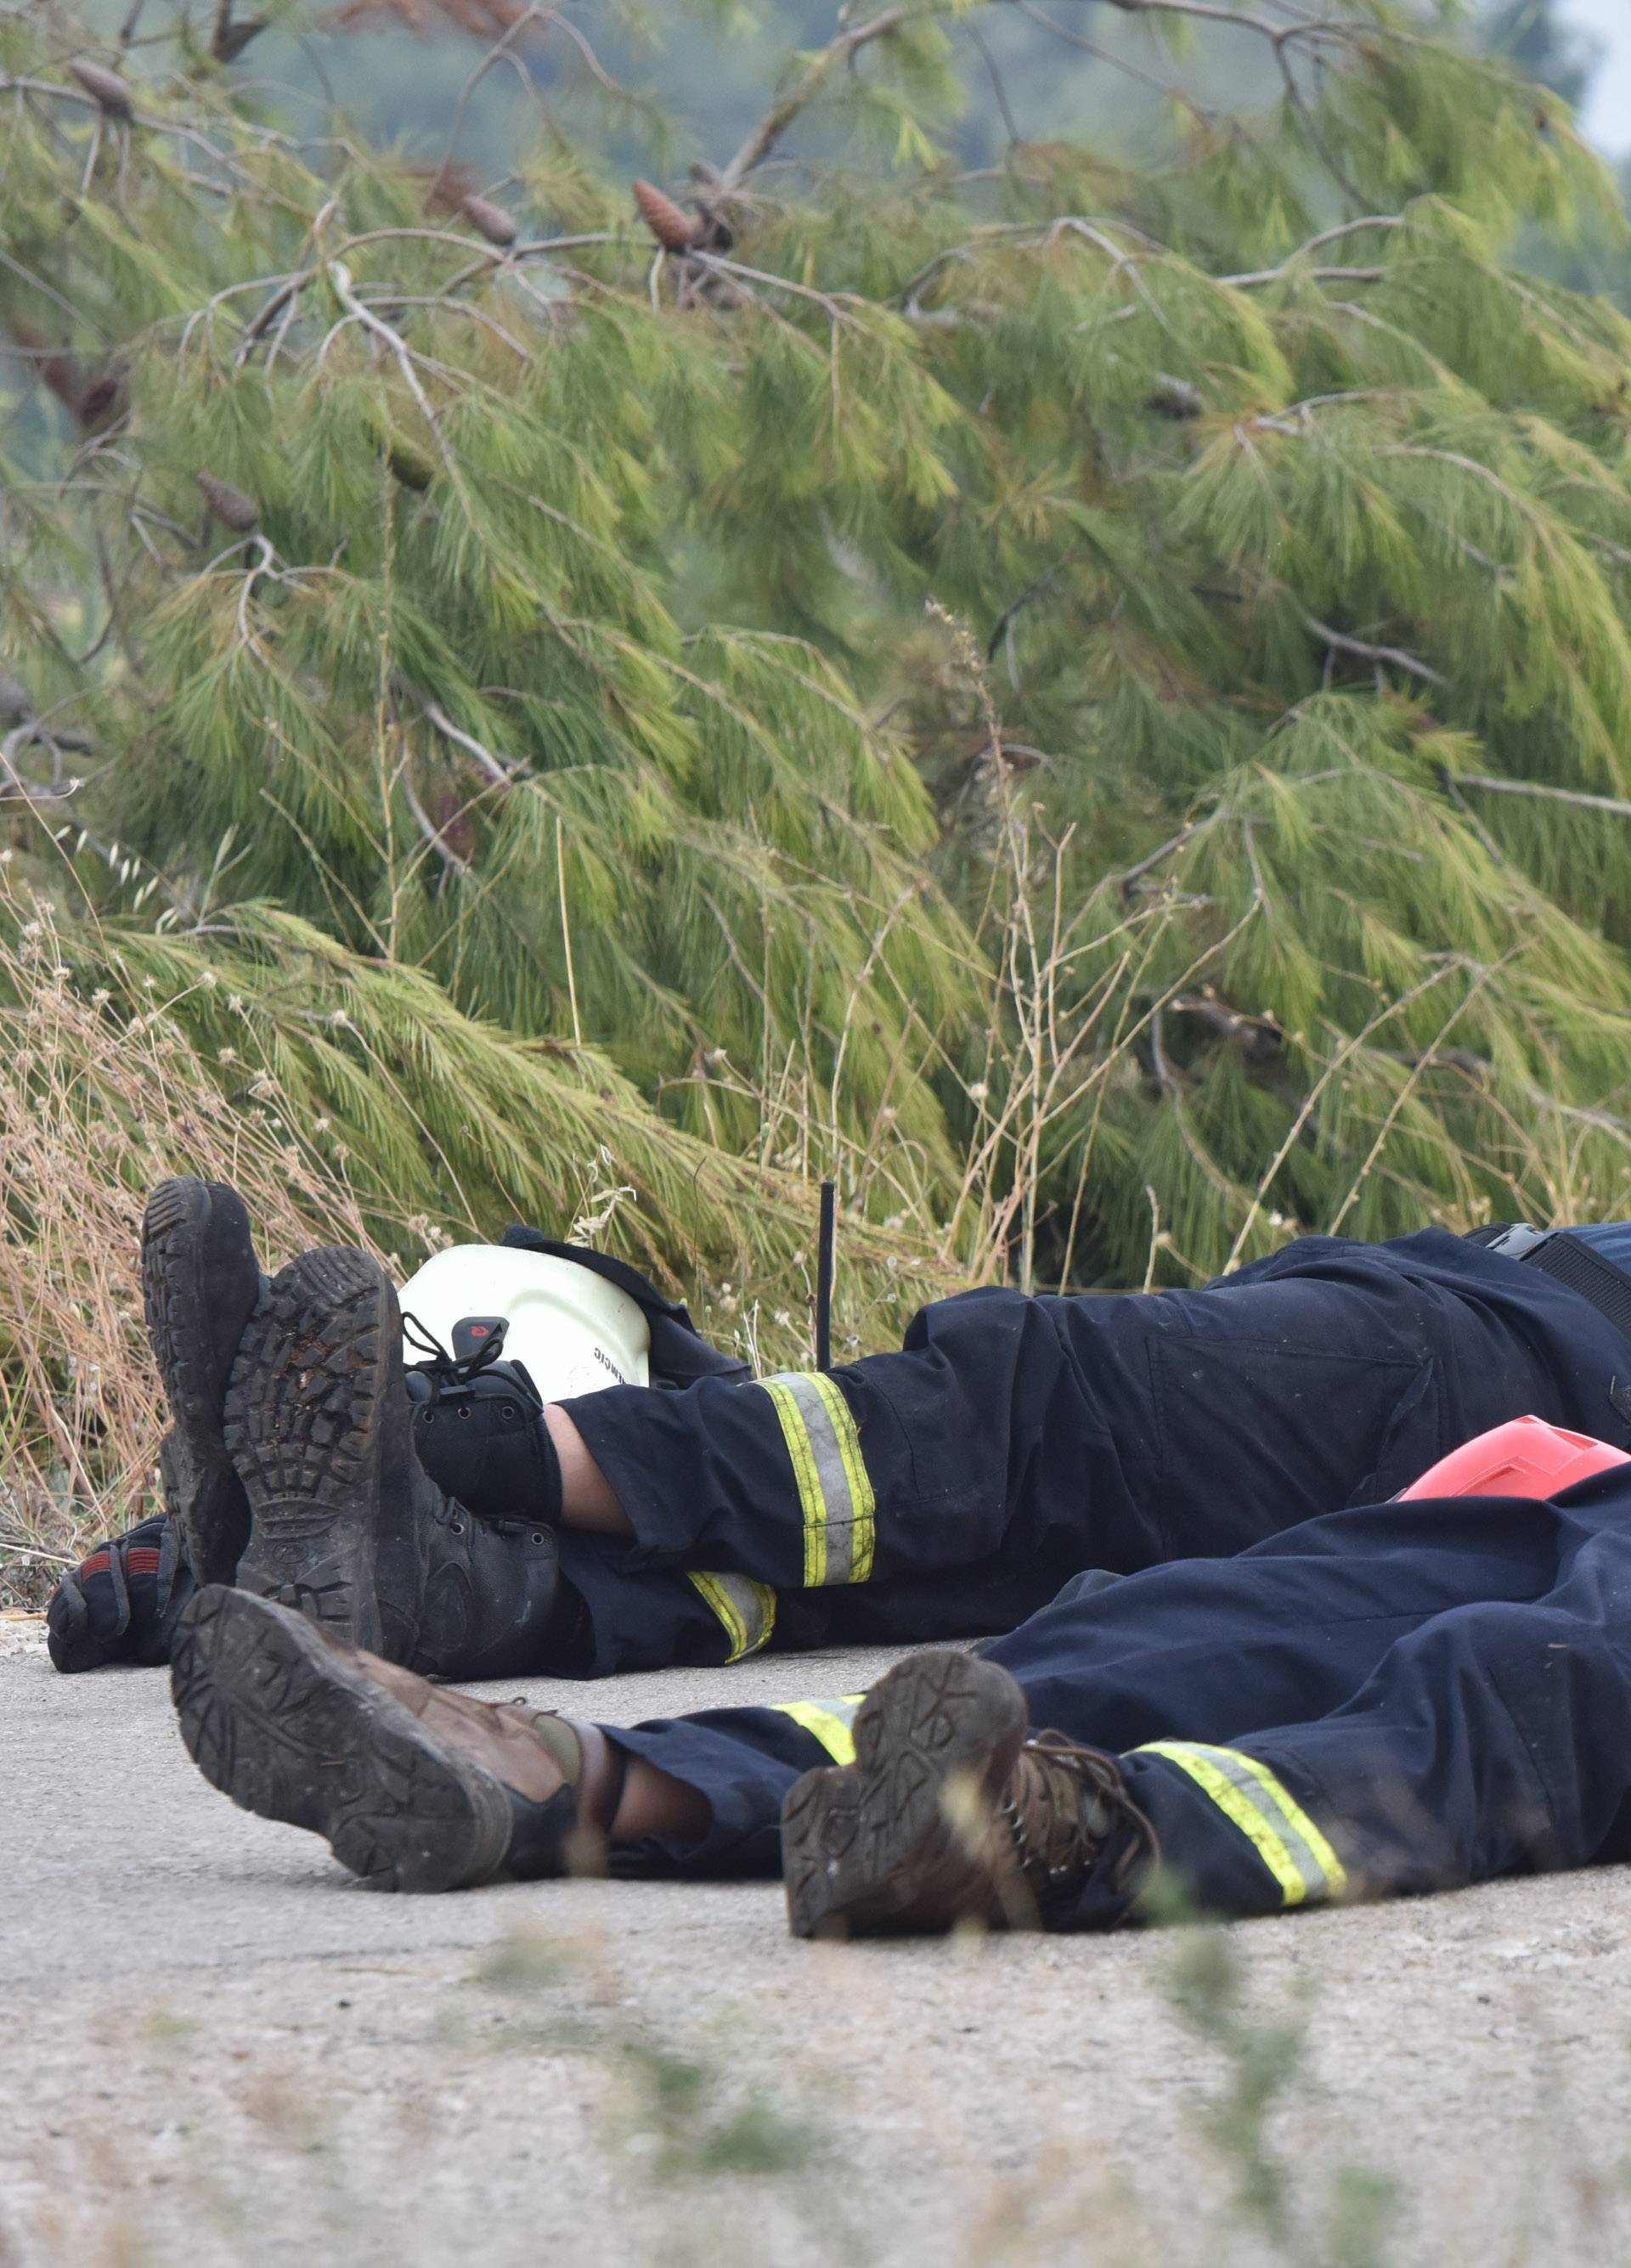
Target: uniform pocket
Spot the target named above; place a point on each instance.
(1257, 1436)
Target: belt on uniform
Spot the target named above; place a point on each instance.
(1570, 1261)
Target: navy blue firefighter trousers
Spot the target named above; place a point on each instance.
(951, 1489)
(1396, 1698)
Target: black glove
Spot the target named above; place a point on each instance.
(122, 1603)
(680, 1355)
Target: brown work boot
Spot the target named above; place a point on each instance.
(951, 1813)
(413, 1786)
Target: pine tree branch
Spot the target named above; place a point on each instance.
(76, 315)
(499, 52)
(227, 40)
(716, 263)
(339, 277)
(498, 771)
(1344, 228)
(1010, 612)
(848, 44)
(152, 122)
(1261, 275)
(1165, 88)
(1577, 797)
(1279, 36)
(445, 851)
(998, 87)
(1316, 244)
(1394, 656)
(450, 306)
(1481, 1072)
(1447, 781)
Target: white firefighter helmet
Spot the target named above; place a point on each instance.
(571, 1331)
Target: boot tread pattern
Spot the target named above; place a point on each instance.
(859, 1840)
(193, 1365)
(303, 1424)
(288, 1728)
(202, 1489)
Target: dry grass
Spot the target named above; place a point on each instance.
(101, 1094)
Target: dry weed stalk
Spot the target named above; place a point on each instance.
(102, 1093)
(1071, 1001)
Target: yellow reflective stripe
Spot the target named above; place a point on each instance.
(1287, 1840)
(811, 1502)
(831, 1722)
(746, 1610)
(835, 1494)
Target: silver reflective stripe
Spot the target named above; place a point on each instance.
(746, 1609)
(1251, 1797)
(835, 1492)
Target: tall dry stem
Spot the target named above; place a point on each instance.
(101, 1094)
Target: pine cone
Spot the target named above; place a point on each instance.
(1175, 397)
(675, 229)
(446, 186)
(103, 400)
(413, 470)
(65, 376)
(108, 88)
(492, 222)
(449, 812)
(230, 505)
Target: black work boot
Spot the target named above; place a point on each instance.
(481, 1435)
(347, 1527)
(952, 1813)
(413, 1787)
(201, 1283)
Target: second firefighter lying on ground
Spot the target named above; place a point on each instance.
(1401, 1697)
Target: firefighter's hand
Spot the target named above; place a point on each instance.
(122, 1603)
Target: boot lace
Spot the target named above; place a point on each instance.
(1066, 1806)
(448, 1373)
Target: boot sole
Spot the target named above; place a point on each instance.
(305, 1412)
(202, 1489)
(274, 1716)
(936, 1738)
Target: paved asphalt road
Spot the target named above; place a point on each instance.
(215, 2047)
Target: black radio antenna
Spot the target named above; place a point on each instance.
(823, 1276)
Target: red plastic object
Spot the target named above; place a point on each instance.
(1523, 1457)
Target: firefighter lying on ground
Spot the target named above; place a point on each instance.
(453, 1521)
